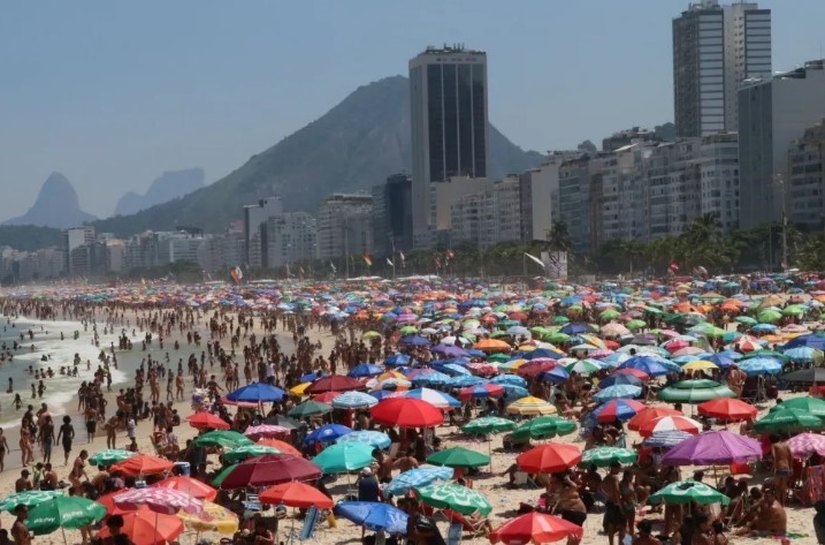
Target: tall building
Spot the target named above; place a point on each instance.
(715, 49)
(392, 215)
(450, 135)
(73, 239)
(773, 112)
(488, 216)
(806, 181)
(290, 239)
(254, 222)
(344, 226)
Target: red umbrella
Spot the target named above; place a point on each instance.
(727, 408)
(271, 469)
(670, 423)
(207, 421)
(618, 409)
(536, 367)
(283, 446)
(296, 494)
(193, 487)
(549, 458)
(326, 397)
(333, 383)
(145, 527)
(535, 528)
(143, 464)
(641, 375)
(406, 412)
(107, 501)
(648, 415)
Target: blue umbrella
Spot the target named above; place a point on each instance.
(256, 393)
(804, 354)
(576, 329)
(381, 394)
(620, 391)
(354, 400)
(652, 366)
(623, 410)
(455, 369)
(760, 366)
(462, 381)
(449, 350)
(512, 392)
(375, 439)
(541, 353)
(764, 328)
(513, 380)
(619, 379)
(556, 375)
(814, 340)
(721, 360)
(327, 433)
(373, 516)
(366, 370)
(415, 340)
(397, 359)
(310, 377)
(420, 476)
(435, 378)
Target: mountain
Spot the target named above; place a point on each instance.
(356, 145)
(56, 206)
(169, 186)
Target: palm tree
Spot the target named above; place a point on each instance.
(558, 237)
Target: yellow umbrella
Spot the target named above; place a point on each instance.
(531, 406)
(215, 518)
(300, 390)
(387, 375)
(699, 365)
(371, 334)
(594, 340)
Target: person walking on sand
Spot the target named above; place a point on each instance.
(65, 436)
(46, 438)
(26, 450)
(782, 460)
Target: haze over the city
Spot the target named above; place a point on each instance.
(112, 95)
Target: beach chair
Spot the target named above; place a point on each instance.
(522, 478)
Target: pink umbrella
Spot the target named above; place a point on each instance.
(713, 447)
(159, 500)
(265, 430)
(806, 444)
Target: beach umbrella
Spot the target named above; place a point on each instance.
(207, 421)
(327, 434)
(760, 366)
(556, 375)
(188, 485)
(804, 354)
(333, 383)
(723, 361)
(804, 445)
(695, 391)
(699, 365)
(375, 439)
(787, 419)
(585, 367)
(549, 458)
(143, 527)
(481, 391)
(215, 518)
(247, 451)
(536, 367)
(309, 408)
(714, 448)
(618, 409)
(653, 367)
(365, 370)
(670, 423)
(666, 439)
(29, 498)
(354, 400)
(420, 476)
(487, 425)
(344, 457)
(281, 446)
(492, 346)
(769, 316)
(222, 438)
(374, 516)
(406, 412)
(265, 430)
(295, 494)
(257, 392)
(531, 406)
(616, 379)
(454, 496)
(688, 491)
(648, 415)
(143, 464)
(269, 469)
(807, 404)
(458, 457)
(535, 527)
(727, 409)
(805, 376)
(510, 380)
(63, 512)
(620, 391)
(110, 456)
(604, 456)
(544, 427)
(160, 500)
(435, 398)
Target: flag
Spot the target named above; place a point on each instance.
(535, 260)
(437, 263)
(403, 259)
(331, 266)
(674, 266)
(367, 259)
(390, 263)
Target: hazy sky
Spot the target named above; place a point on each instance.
(111, 94)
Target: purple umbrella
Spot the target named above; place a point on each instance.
(713, 447)
(449, 350)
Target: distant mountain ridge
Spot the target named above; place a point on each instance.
(168, 186)
(56, 206)
(355, 145)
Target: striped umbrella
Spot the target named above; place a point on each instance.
(354, 400)
(487, 425)
(666, 439)
(481, 391)
(420, 476)
(689, 491)
(433, 397)
(670, 423)
(28, 498)
(544, 427)
(248, 451)
(454, 496)
(618, 409)
(376, 439)
(806, 444)
(604, 456)
(159, 500)
(531, 406)
(265, 430)
(110, 456)
(619, 391)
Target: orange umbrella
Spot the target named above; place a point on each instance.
(107, 501)
(193, 487)
(648, 415)
(549, 458)
(296, 494)
(493, 345)
(145, 527)
(283, 446)
(143, 464)
(207, 421)
(727, 408)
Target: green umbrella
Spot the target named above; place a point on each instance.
(687, 491)
(787, 419)
(309, 408)
(810, 405)
(604, 456)
(695, 391)
(636, 324)
(64, 512)
(794, 310)
(556, 337)
(544, 427)
(767, 354)
(488, 425)
(561, 320)
(28, 498)
(458, 457)
(223, 474)
(609, 314)
(747, 320)
(584, 367)
(344, 457)
(243, 452)
(456, 497)
(501, 357)
(110, 456)
(408, 330)
(222, 438)
(769, 316)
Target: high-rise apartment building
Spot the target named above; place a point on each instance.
(448, 107)
(344, 227)
(715, 49)
(806, 180)
(254, 224)
(392, 215)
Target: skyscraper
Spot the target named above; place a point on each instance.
(716, 48)
(448, 101)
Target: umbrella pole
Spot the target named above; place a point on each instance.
(63, 531)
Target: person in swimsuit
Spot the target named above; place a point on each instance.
(628, 499)
(79, 470)
(4, 447)
(66, 436)
(614, 520)
(782, 460)
(46, 438)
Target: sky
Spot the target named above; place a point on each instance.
(112, 94)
